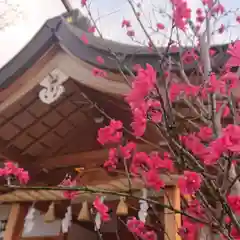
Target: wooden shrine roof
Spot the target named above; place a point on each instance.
(50, 140)
(57, 31)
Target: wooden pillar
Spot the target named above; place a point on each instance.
(172, 221)
(15, 223)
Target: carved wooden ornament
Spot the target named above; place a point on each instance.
(53, 86)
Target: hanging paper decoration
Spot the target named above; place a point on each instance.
(9, 180)
(98, 217)
(122, 208)
(29, 219)
(142, 214)
(84, 214)
(50, 214)
(66, 222)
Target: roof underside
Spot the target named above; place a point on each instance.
(43, 138)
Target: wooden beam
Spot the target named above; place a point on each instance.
(172, 221)
(82, 159)
(82, 73)
(15, 224)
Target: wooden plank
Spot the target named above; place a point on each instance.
(15, 224)
(172, 221)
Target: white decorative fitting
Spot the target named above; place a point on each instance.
(142, 213)
(29, 219)
(98, 119)
(67, 221)
(9, 182)
(53, 86)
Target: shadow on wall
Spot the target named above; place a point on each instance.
(77, 232)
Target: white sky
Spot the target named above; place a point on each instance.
(35, 12)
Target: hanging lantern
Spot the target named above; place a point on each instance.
(50, 214)
(84, 214)
(122, 208)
